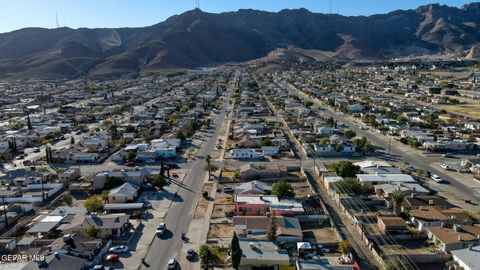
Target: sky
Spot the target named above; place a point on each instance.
(16, 14)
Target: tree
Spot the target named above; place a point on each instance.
(363, 145)
(349, 185)
(94, 203)
(68, 199)
(397, 198)
(29, 122)
(308, 103)
(345, 247)
(283, 190)
(91, 231)
(205, 256)
(345, 168)
(350, 134)
(72, 140)
(266, 142)
(111, 182)
(272, 228)
(180, 135)
(209, 167)
(339, 148)
(129, 129)
(131, 155)
(236, 251)
(159, 182)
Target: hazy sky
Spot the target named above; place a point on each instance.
(16, 14)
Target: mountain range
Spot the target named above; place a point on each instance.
(196, 38)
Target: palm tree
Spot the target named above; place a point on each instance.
(398, 197)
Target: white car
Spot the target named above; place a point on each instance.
(447, 155)
(161, 229)
(436, 178)
(172, 264)
(445, 166)
(118, 249)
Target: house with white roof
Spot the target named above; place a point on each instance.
(123, 193)
(370, 180)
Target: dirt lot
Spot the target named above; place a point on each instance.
(220, 230)
(219, 210)
(470, 109)
(302, 189)
(319, 234)
(223, 199)
(202, 203)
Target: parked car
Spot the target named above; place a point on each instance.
(172, 264)
(112, 258)
(228, 190)
(36, 150)
(130, 164)
(436, 178)
(174, 174)
(161, 229)
(447, 155)
(190, 254)
(356, 154)
(118, 249)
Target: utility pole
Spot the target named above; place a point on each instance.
(389, 147)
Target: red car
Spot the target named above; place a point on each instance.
(174, 174)
(112, 258)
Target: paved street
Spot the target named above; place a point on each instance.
(179, 216)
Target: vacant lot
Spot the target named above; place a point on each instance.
(220, 230)
(469, 109)
(219, 210)
(302, 189)
(202, 202)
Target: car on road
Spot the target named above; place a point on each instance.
(436, 178)
(364, 128)
(411, 168)
(118, 249)
(130, 164)
(36, 150)
(112, 258)
(356, 154)
(172, 264)
(161, 229)
(190, 254)
(174, 174)
(447, 155)
(445, 166)
(228, 190)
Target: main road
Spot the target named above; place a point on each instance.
(179, 215)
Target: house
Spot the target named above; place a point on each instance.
(430, 216)
(467, 258)
(253, 171)
(263, 254)
(134, 177)
(257, 205)
(415, 201)
(257, 227)
(377, 167)
(244, 153)
(253, 187)
(69, 175)
(391, 224)
(322, 264)
(386, 190)
(123, 193)
(326, 131)
(77, 244)
(59, 261)
(270, 151)
(7, 245)
(330, 182)
(369, 180)
(458, 237)
(110, 225)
